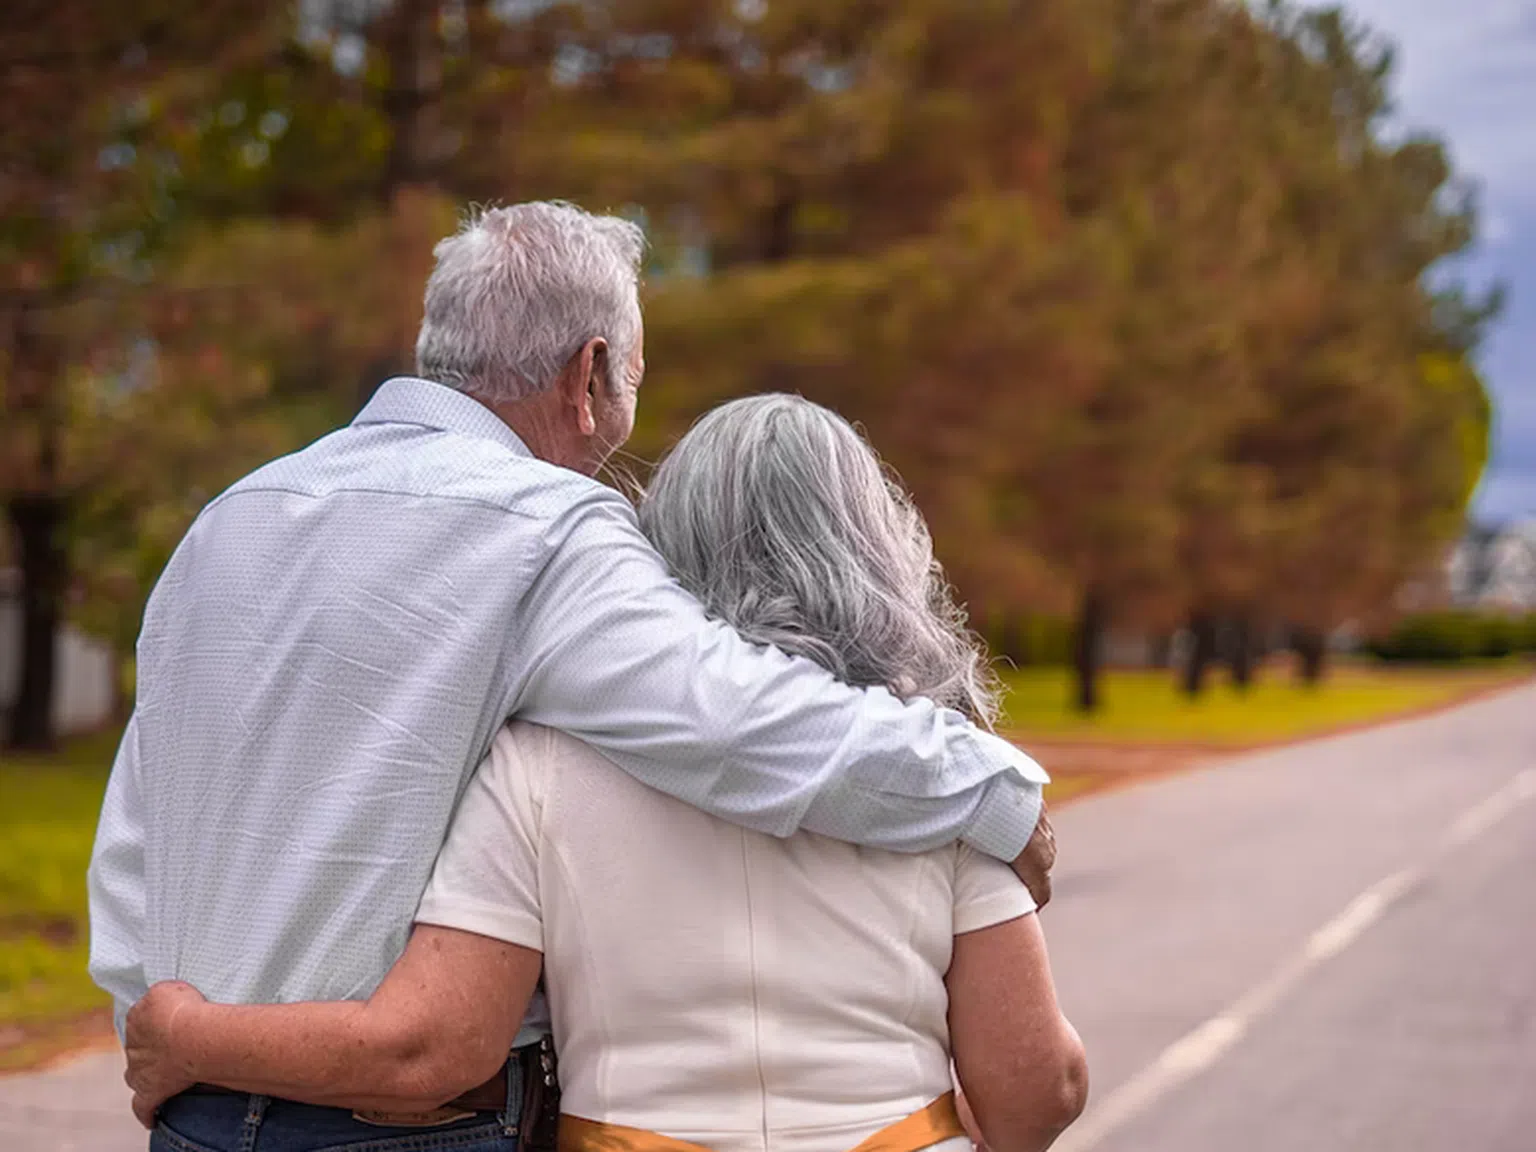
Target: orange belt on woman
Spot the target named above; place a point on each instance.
(924, 1128)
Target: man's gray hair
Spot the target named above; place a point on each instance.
(517, 292)
(778, 516)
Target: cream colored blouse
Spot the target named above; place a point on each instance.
(717, 985)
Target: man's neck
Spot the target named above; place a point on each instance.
(535, 420)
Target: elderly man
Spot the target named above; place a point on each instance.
(340, 634)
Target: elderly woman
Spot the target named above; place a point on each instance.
(708, 986)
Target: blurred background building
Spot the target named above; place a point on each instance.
(1495, 568)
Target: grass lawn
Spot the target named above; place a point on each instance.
(48, 808)
(1065, 785)
(1146, 706)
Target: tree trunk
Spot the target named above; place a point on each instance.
(412, 55)
(377, 370)
(779, 229)
(1202, 648)
(1242, 652)
(1088, 648)
(36, 513)
(1007, 638)
(1018, 641)
(38, 523)
(122, 696)
(1312, 652)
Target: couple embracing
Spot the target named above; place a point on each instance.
(488, 811)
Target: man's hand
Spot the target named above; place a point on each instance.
(1034, 864)
(155, 1070)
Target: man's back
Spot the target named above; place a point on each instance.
(321, 664)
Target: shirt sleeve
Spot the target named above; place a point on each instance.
(615, 652)
(115, 883)
(486, 879)
(987, 892)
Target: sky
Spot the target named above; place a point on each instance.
(1466, 70)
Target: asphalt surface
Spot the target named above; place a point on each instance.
(81, 1106)
(1326, 946)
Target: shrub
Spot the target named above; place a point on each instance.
(1453, 635)
(1031, 640)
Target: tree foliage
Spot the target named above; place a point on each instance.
(83, 190)
(1139, 298)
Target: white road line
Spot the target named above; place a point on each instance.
(1366, 908)
(1198, 1050)
(1474, 822)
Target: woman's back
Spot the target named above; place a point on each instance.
(718, 985)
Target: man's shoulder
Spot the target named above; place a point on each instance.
(455, 467)
(425, 466)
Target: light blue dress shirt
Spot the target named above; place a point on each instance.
(335, 642)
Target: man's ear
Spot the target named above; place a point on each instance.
(584, 374)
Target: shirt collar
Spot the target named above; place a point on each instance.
(408, 400)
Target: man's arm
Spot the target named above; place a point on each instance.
(611, 649)
(115, 882)
(440, 1023)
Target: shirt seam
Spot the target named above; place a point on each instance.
(428, 497)
(757, 1014)
(560, 874)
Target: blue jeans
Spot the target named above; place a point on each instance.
(198, 1122)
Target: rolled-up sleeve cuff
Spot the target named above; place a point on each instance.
(1006, 817)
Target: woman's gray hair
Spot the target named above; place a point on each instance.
(778, 516)
(517, 291)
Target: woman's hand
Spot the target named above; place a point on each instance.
(156, 1071)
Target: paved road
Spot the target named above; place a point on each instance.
(80, 1107)
(1329, 946)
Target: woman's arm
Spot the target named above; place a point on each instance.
(441, 1023)
(1019, 1062)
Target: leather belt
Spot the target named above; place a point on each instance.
(488, 1097)
(938, 1122)
(538, 1085)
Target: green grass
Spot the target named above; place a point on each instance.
(1146, 706)
(47, 824)
(1066, 785)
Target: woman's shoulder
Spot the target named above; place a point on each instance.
(986, 891)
